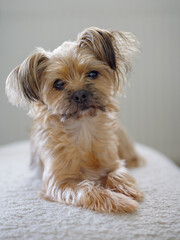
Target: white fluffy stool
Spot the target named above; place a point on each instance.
(24, 215)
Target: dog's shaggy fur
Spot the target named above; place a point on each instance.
(76, 137)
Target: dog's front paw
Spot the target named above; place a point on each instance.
(90, 196)
(105, 200)
(123, 183)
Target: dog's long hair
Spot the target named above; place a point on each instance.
(70, 93)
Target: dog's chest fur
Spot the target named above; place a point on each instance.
(89, 140)
(92, 140)
(83, 133)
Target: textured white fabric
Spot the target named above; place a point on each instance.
(24, 215)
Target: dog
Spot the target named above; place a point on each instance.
(76, 137)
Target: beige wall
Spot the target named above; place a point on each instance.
(151, 110)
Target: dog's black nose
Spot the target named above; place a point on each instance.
(80, 96)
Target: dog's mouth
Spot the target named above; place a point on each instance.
(82, 111)
(84, 107)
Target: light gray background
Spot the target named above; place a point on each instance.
(151, 111)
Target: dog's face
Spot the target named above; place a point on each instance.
(75, 82)
(78, 78)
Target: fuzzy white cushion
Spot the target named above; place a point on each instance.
(24, 215)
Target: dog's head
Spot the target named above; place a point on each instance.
(77, 78)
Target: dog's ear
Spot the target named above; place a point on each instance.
(100, 42)
(22, 84)
(115, 48)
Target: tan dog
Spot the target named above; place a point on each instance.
(76, 137)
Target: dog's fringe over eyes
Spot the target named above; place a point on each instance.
(76, 138)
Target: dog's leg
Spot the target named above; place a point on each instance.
(90, 196)
(126, 149)
(120, 181)
(63, 183)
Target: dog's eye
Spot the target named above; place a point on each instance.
(92, 74)
(58, 84)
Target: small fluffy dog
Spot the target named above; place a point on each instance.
(76, 137)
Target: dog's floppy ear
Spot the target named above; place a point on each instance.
(100, 42)
(113, 47)
(22, 84)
